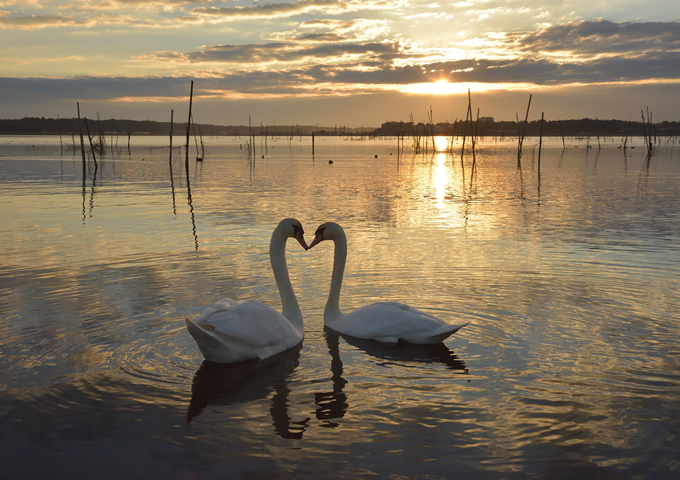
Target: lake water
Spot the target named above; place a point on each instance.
(570, 366)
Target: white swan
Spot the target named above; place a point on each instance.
(388, 322)
(233, 331)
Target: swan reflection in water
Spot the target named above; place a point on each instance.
(333, 405)
(395, 354)
(236, 383)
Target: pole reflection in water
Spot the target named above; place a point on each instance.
(191, 209)
(92, 193)
(92, 190)
(172, 185)
(220, 384)
(84, 193)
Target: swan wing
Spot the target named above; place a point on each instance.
(231, 331)
(393, 322)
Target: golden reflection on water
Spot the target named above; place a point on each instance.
(566, 295)
(441, 178)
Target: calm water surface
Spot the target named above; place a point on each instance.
(570, 367)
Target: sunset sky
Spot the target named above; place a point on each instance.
(334, 62)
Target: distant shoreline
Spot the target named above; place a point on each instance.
(486, 126)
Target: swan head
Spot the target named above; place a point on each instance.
(327, 231)
(292, 228)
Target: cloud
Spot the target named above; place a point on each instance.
(88, 15)
(359, 30)
(287, 10)
(329, 23)
(660, 66)
(332, 56)
(23, 3)
(329, 37)
(630, 53)
(38, 22)
(33, 22)
(166, 5)
(324, 46)
(590, 38)
(94, 87)
(333, 79)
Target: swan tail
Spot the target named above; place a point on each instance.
(445, 332)
(202, 337)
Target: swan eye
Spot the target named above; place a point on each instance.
(319, 231)
(298, 229)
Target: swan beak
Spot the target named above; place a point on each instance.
(299, 236)
(317, 239)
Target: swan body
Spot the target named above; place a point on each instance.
(388, 322)
(233, 331)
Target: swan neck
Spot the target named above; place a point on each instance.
(277, 257)
(339, 260)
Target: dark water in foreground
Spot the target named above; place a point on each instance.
(570, 367)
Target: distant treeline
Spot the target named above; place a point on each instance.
(567, 128)
(486, 126)
(69, 126)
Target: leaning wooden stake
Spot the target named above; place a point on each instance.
(94, 157)
(82, 142)
(644, 130)
(172, 181)
(198, 158)
(468, 114)
(61, 145)
(540, 144)
(474, 141)
(171, 120)
(521, 138)
(186, 158)
(251, 138)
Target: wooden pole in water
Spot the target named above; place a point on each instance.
(468, 114)
(644, 128)
(251, 139)
(102, 139)
(186, 159)
(82, 142)
(312, 144)
(196, 143)
(474, 136)
(649, 124)
(61, 145)
(171, 120)
(200, 136)
(540, 144)
(521, 138)
(94, 157)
